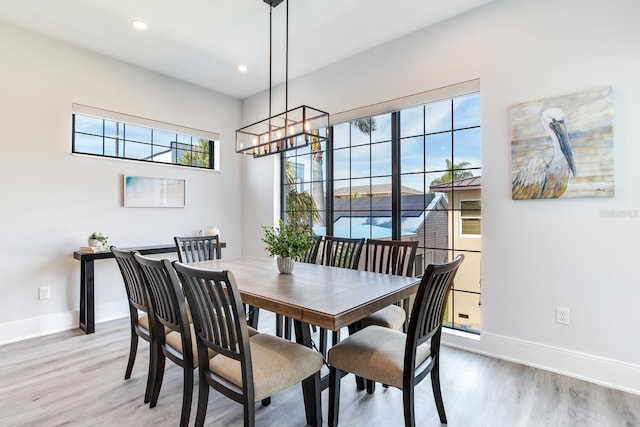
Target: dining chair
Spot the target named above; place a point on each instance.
(169, 308)
(387, 257)
(204, 248)
(193, 249)
(342, 251)
(246, 368)
(393, 357)
(140, 320)
(339, 252)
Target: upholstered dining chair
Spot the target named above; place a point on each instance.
(388, 257)
(393, 357)
(169, 308)
(339, 252)
(139, 319)
(204, 248)
(246, 368)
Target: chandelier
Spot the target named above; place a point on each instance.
(295, 128)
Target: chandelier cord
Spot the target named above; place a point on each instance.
(270, 61)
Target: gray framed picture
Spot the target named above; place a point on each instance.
(150, 192)
(563, 146)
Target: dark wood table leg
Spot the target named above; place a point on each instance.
(311, 387)
(87, 303)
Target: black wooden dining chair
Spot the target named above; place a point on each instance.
(247, 369)
(193, 249)
(140, 318)
(393, 357)
(387, 257)
(342, 251)
(204, 248)
(170, 312)
(339, 252)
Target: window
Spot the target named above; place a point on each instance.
(470, 218)
(409, 174)
(121, 137)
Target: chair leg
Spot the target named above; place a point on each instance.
(323, 342)
(151, 375)
(203, 400)
(266, 401)
(157, 381)
(287, 327)
(311, 391)
(254, 314)
(334, 396)
(371, 386)
(437, 393)
(187, 393)
(249, 414)
(279, 325)
(133, 349)
(409, 412)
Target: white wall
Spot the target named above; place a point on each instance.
(536, 254)
(51, 200)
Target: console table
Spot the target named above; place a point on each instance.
(87, 298)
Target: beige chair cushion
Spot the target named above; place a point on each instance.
(277, 364)
(144, 322)
(174, 340)
(375, 353)
(391, 317)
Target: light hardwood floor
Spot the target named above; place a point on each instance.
(74, 379)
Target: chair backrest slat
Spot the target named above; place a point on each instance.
(342, 252)
(194, 249)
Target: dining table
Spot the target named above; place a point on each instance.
(327, 297)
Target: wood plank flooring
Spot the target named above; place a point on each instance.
(72, 379)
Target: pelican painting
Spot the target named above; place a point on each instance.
(563, 147)
(542, 178)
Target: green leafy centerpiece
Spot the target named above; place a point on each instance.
(287, 242)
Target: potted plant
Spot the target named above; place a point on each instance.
(287, 242)
(97, 239)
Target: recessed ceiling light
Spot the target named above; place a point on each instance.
(138, 24)
(242, 68)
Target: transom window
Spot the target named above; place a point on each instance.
(152, 142)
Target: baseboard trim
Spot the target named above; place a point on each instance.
(57, 322)
(606, 372)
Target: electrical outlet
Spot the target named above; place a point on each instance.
(562, 315)
(43, 293)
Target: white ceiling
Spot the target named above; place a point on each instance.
(204, 41)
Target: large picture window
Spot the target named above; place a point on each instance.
(409, 174)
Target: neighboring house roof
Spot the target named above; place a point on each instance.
(373, 214)
(376, 190)
(473, 183)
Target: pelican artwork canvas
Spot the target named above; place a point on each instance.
(563, 146)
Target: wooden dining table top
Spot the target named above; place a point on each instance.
(329, 297)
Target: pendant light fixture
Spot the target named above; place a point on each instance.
(295, 128)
